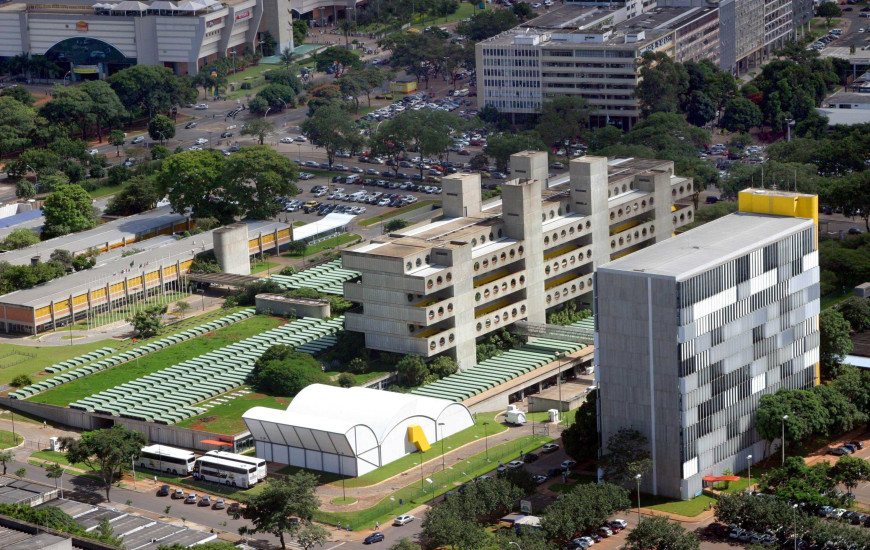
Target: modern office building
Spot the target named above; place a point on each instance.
(437, 286)
(692, 331)
(590, 52)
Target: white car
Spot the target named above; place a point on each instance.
(138, 139)
(93, 152)
(550, 448)
(286, 140)
(201, 107)
(515, 464)
(566, 464)
(403, 519)
(201, 141)
(194, 148)
(300, 138)
(537, 5)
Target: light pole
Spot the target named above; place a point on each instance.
(442, 424)
(267, 112)
(299, 147)
(637, 479)
(421, 473)
(515, 544)
(560, 355)
(794, 519)
(341, 473)
(162, 137)
(282, 101)
(133, 464)
(36, 176)
(233, 55)
(784, 418)
(749, 467)
(61, 478)
(485, 440)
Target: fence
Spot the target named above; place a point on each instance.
(432, 482)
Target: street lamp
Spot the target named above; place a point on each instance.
(299, 146)
(515, 544)
(61, 478)
(341, 473)
(35, 173)
(162, 137)
(784, 418)
(794, 519)
(560, 355)
(442, 424)
(233, 55)
(282, 101)
(267, 112)
(485, 440)
(637, 479)
(749, 467)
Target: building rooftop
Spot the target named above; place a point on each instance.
(571, 17)
(846, 117)
(664, 18)
(111, 267)
(707, 246)
(846, 97)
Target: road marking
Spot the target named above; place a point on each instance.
(337, 545)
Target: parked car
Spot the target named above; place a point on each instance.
(201, 141)
(515, 464)
(205, 500)
(403, 519)
(201, 107)
(568, 464)
(226, 134)
(163, 491)
(528, 458)
(191, 499)
(138, 139)
(179, 493)
(286, 140)
(540, 479)
(374, 537)
(219, 504)
(190, 125)
(234, 508)
(621, 523)
(550, 448)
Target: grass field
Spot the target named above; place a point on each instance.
(8, 439)
(259, 266)
(688, 508)
(325, 245)
(457, 440)
(105, 191)
(43, 356)
(397, 212)
(226, 418)
(465, 10)
(65, 394)
(834, 298)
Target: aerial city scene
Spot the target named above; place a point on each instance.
(435, 274)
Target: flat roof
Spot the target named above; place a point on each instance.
(329, 223)
(112, 268)
(566, 16)
(847, 97)
(846, 117)
(665, 18)
(110, 232)
(709, 245)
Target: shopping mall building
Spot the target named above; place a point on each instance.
(93, 38)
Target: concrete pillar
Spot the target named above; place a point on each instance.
(589, 194)
(460, 195)
(530, 165)
(53, 320)
(521, 207)
(231, 249)
(109, 297)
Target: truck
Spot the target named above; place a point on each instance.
(515, 416)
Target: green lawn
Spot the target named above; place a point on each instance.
(259, 266)
(419, 492)
(32, 359)
(299, 223)
(8, 439)
(465, 10)
(65, 394)
(226, 418)
(58, 458)
(456, 440)
(325, 245)
(397, 212)
(688, 508)
(105, 191)
(834, 298)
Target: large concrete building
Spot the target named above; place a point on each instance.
(437, 286)
(590, 52)
(691, 332)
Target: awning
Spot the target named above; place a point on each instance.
(216, 442)
(714, 479)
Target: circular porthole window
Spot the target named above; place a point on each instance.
(522, 309)
(451, 338)
(429, 283)
(449, 276)
(432, 345)
(479, 327)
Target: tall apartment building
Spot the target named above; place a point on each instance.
(595, 56)
(692, 331)
(437, 286)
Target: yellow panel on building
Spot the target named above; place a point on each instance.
(268, 238)
(117, 287)
(404, 87)
(134, 281)
(81, 299)
(42, 312)
(283, 233)
(779, 203)
(186, 265)
(98, 293)
(152, 276)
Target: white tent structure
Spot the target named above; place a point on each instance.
(351, 431)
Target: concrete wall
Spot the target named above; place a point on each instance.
(281, 305)
(460, 195)
(521, 207)
(231, 249)
(530, 165)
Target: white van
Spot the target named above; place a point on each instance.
(352, 179)
(355, 197)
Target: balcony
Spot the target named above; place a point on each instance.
(567, 287)
(572, 258)
(501, 286)
(432, 310)
(631, 237)
(498, 315)
(496, 255)
(437, 340)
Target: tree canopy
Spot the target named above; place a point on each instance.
(108, 451)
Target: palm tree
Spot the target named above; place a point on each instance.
(346, 27)
(287, 57)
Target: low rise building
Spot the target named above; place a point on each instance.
(437, 286)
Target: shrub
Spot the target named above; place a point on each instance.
(347, 380)
(21, 381)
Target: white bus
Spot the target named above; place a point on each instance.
(223, 471)
(167, 459)
(244, 459)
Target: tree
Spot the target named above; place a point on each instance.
(581, 438)
(259, 127)
(850, 470)
(347, 380)
(487, 23)
(500, 147)
(255, 177)
(660, 533)
(25, 189)
(443, 366)
(107, 451)
(191, 180)
(53, 471)
(806, 416)
(795, 481)
(106, 107)
(53, 180)
(404, 543)
(140, 194)
(740, 115)
(835, 343)
(69, 104)
(522, 10)
(5, 458)
(412, 371)
(562, 119)
(19, 94)
(311, 535)
(297, 248)
(160, 152)
(627, 455)
(288, 375)
(346, 27)
(67, 210)
(282, 507)
(664, 84)
(828, 10)
(300, 31)
(288, 58)
(700, 109)
(587, 506)
(336, 56)
(63, 257)
(445, 526)
(278, 96)
(18, 239)
(117, 138)
(148, 322)
(150, 89)
(182, 307)
(367, 80)
(17, 123)
(856, 311)
(395, 224)
(330, 127)
(161, 128)
(20, 381)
